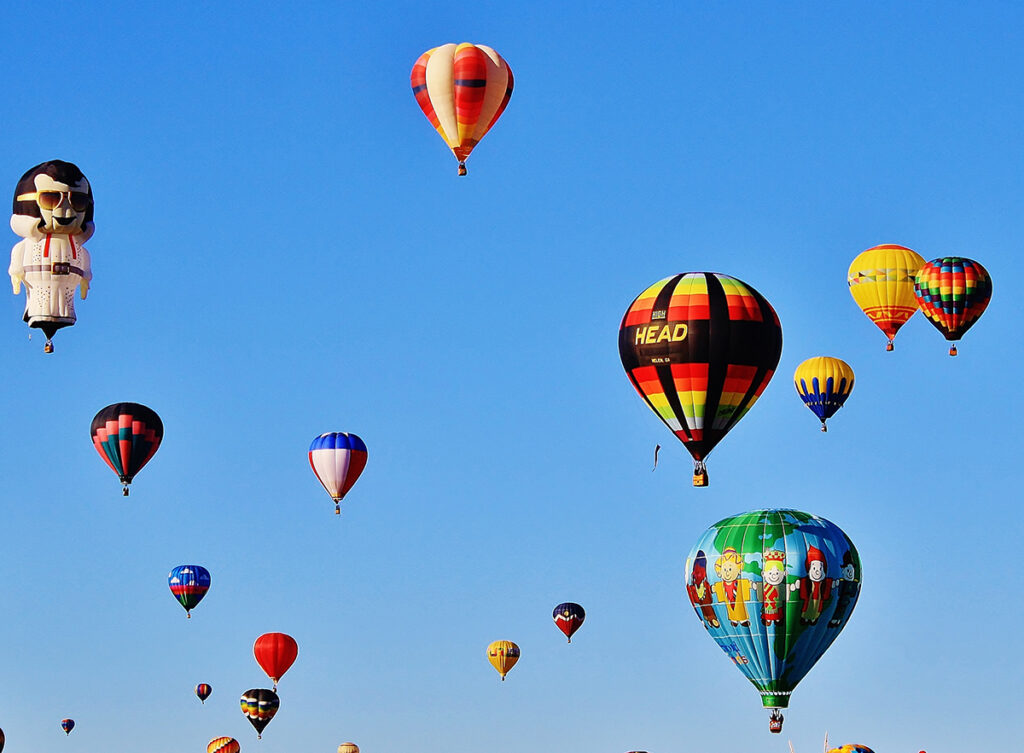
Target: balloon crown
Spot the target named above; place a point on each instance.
(775, 556)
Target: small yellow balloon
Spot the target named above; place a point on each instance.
(503, 655)
(348, 748)
(823, 383)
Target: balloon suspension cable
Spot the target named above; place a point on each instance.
(700, 473)
(889, 346)
(462, 167)
(952, 350)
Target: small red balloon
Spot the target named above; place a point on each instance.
(275, 653)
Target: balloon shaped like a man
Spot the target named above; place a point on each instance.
(53, 214)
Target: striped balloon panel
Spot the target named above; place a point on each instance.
(503, 655)
(337, 459)
(823, 383)
(462, 89)
(773, 588)
(851, 748)
(700, 348)
(203, 691)
(953, 292)
(881, 282)
(126, 435)
(348, 748)
(223, 745)
(259, 706)
(189, 584)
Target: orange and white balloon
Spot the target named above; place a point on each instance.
(463, 90)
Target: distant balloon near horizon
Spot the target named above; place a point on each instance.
(223, 745)
(462, 89)
(823, 383)
(275, 653)
(259, 706)
(773, 588)
(852, 748)
(953, 293)
(126, 435)
(881, 282)
(503, 655)
(338, 459)
(189, 584)
(700, 348)
(568, 618)
(203, 691)
(67, 725)
(348, 748)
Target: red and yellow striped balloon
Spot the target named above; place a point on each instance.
(463, 90)
(223, 745)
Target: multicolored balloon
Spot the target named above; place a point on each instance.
(882, 283)
(67, 725)
(126, 435)
(203, 691)
(953, 292)
(568, 617)
(700, 348)
(259, 706)
(348, 748)
(3, 740)
(462, 89)
(823, 383)
(851, 748)
(503, 655)
(275, 653)
(223, 745)
(189, 584)
(53, 211)
(774, 588)
(337, 458)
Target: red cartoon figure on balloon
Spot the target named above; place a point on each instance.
(815, 587)
(773, 588)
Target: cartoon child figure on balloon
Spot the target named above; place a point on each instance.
(53, 209)
(815, 588)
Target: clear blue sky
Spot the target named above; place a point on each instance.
(283, 248)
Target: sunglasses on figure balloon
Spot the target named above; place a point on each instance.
(50, 200)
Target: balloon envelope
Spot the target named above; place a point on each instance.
(823, 383)
(953, 293)
(348, 748)
(189, 584)
(259, 706)
(881, 282)
(700, 348)
(773, 588)
(851, 748)
(203, 691)
(503, 655)
(337, 458)
(463, 90)
(568, 617)
(275, 653)
(223, 745)
(126, 435)
(67, 725)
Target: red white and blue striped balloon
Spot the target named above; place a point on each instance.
(337, 458)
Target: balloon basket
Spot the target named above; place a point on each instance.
(462, 168)
(823, 426)
(337, 509)
(48, 347)
(700, 476)
(952, 350)
(124, 491)
(889, 347)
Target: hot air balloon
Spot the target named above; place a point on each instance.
(126, 435)
(67, 725)
(463, 90)
(348, 748)
(851, 748)
(223, 745)
(953, 293)
(568, 617)
(275, 653)
(259, 706)
(503, 655)
(189, 584)
(203, 691)
(700, 348)
(53, 213)
(823, 383)
(882, 283)
(3, 740)
(337, 458)
(773, 588)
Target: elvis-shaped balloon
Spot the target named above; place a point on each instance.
(53, 214)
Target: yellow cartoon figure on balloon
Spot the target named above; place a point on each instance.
(53, 211)
(732, 590)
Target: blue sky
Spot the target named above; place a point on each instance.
(283, 248)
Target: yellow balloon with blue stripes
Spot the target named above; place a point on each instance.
(823, 383)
